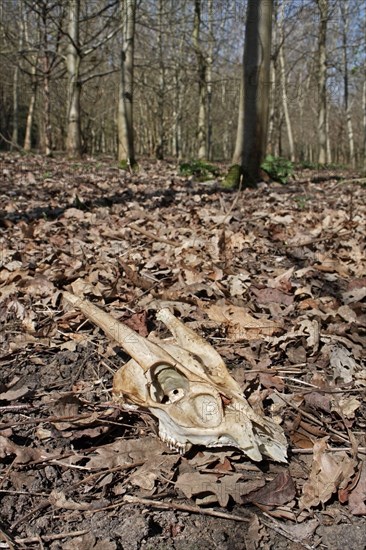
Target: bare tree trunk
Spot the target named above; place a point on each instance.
(126, 149)
(344, 6)
(73, 140)
(329, 149)
(209, 79)
(202, 83)
(253, 106)
(322, 81)
(284, 88)
(177, 115)
(30, 115)
(364, 117)
(161, 88)
(239, 143)
(15, 130)
(272, 108)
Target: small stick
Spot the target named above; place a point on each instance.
(361, 450)
(7, 538)
(55, 536)
(130, 499)
(152, 236)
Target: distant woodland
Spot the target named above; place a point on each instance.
(165, 77)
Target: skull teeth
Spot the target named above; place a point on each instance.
(173, 444)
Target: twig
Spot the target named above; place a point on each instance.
(318, 240)
(7, 538)
(55, 536)
(8, 408)
(105, 472)
(130, 499)
(44, 420)
(151, 235)
(10, 142)
(361, 450)
(312, 418)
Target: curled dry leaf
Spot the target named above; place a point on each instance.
(278, 491)
(329, 473)
(357, 498)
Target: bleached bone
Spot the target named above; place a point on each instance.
(187, 386)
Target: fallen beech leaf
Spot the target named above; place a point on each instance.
(23, 454)
(147, 474)
(12, 395)
(126, 451)
(278, 491)
(137, 322)
(329, 472)
(342, 363)
(346, 406)
(241, 325)
(256, 536)
(220, 488)
(272, 295)
(357, 498)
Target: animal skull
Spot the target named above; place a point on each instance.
(187, 386)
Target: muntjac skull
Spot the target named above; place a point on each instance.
(187, 386)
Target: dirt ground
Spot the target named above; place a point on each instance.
(273, 278)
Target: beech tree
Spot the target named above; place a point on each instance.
(202, 83)
(322, 81)
(78, 53)
(126, 146)
(73, 141)
(254, 98)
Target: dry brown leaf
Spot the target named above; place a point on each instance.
(357, 498)
(342, 363)
(272, 295)
(329, 472)
(13, 395)
(278, 491)
(346, 406)
(257, 535)
(126, 451)
(241, 325)
(23, 455)
(159, 465)
(218, 488)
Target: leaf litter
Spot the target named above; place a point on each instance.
(277, 287)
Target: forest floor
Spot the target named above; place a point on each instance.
(273, 278)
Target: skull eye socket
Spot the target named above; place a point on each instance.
(169, 385)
